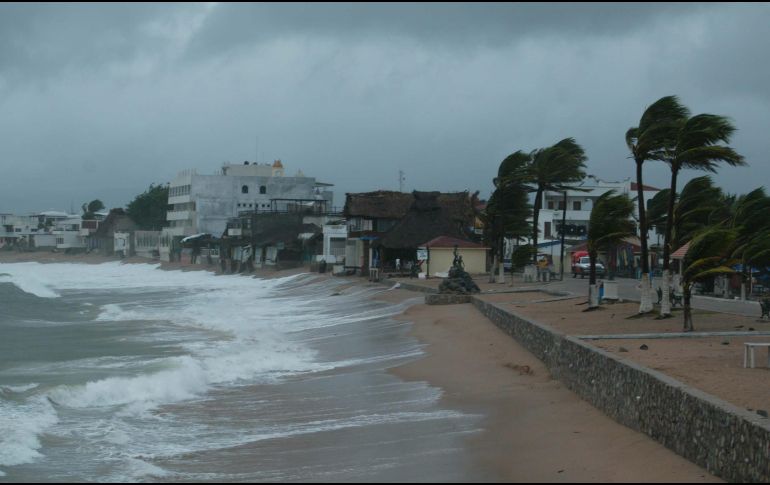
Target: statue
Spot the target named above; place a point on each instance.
(459, 281)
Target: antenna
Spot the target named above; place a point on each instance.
(256, 152)
(401, 179)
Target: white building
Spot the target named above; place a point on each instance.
(579, 206)
(204, 203)
(335, 240)
(49, 229)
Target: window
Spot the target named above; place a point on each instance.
(262, 189)
(245, 189)
(550, 205)
(576, 205)
(547, 232)
(561, 205)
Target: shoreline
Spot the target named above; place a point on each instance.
(533, 429)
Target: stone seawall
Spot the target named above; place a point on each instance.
(728, 441)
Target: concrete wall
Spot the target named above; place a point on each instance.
(69, 240)
(441, 259)
(45, 240)
(726, 440)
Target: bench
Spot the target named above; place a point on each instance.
(748, 353)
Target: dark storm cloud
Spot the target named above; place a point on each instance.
(100, 101)
(237, 24)
(38, 40)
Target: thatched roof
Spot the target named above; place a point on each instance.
(382, 204)
(116, 221)
(272, 228)
(431, 215)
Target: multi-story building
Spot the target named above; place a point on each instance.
(204, 203)
(580, 202)
(49, 229)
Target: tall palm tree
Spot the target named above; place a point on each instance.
(697, 146)
(508, 208)
(610, 222)
(554, 168)
(650, 141)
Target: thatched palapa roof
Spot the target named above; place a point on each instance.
(382, 204)
(432, 214)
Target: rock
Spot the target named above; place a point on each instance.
(643, 347)
(623, 349)
(751, 329)
(762, 413)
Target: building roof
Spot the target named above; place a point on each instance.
(432, 214)
(116, 221)
(451, 242)
(634, 187)
(681, 252)
(383, 204)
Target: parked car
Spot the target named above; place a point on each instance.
(582, 266)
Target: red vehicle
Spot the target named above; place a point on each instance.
(581, 265)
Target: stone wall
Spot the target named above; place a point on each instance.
(446, 299)
(728, 441)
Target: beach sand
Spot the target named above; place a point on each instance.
(535, 430)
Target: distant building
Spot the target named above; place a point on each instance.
(580, 202)
(384, 226)
(42, 230)
(204, 203)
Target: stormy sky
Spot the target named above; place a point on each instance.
(99, 101)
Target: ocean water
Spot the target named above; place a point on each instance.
(125, 372)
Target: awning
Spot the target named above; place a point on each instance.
(194, 236)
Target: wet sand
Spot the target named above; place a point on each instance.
(535, 430)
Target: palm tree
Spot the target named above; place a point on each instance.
(709, 255)
(749, 219)
(610, 222)
(697, 146)
(554, 168)
(508, 208)
(650, 141)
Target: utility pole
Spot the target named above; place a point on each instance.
(563, 230)
(401, 179)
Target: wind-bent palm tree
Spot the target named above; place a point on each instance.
(709, 255)
(508, 208)
(554, 168)
(650, 141)
(697, 146)
(610, 222)
(749, 219)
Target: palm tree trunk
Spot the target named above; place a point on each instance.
(688, 326)
(645, 305)
(665, 304)
(563, 226)
(535, 219)
(593, 293)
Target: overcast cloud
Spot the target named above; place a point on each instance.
(99, 101)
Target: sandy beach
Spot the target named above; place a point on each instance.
(535, 430)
